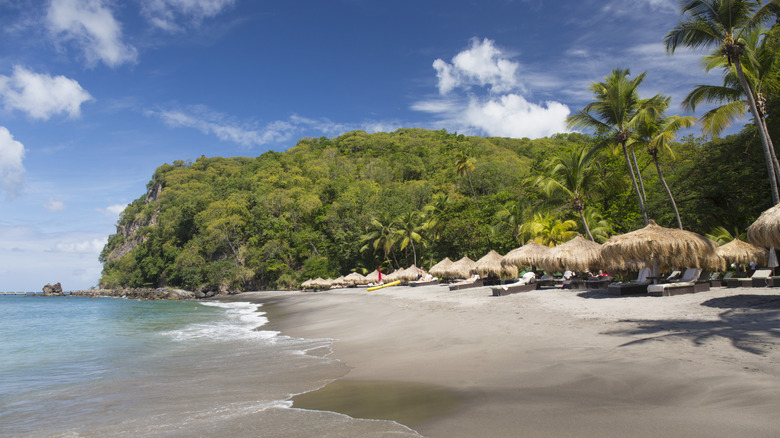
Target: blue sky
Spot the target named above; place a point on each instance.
(96, 94)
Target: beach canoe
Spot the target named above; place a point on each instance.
(384, 285)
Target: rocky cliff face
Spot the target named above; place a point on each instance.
(129, 231)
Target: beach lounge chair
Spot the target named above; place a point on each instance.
(758, 279)
(428, 280)
(685, 285)
(525, 284)
(474, 281)
(633, 287)
(602, 282)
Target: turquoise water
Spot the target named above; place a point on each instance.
(74, 366)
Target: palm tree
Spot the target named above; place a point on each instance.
(731, 95)
(465, 166)
(616, 110)
(723, 236)
(570, 177)
(549, 230)
(381, 234)
(409, 231)
(510, 216)
(726, 24)
(657, 135)
(435, 214)
(599, 227)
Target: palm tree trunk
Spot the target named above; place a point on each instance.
(771, 151)
(473, 192)
(585, 223)
(414, 251)
(639, 176)
(633, 180)
(668, 191)
(764, 137)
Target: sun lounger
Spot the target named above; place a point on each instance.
(633, 287)
(686, 285)
(432, 282)
(758, 279)
(474, 281)
(508, 289)
(598, 283)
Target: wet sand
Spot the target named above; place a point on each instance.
(546, 363)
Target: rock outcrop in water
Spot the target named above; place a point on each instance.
(138, 294)
(52, 290)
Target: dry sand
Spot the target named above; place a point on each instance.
(547, 363)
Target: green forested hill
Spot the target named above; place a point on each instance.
(329, 206)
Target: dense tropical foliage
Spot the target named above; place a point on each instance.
(328, 206)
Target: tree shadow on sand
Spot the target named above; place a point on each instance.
(751, 323)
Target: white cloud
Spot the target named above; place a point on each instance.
(167, 14)
(249, 134)
(93, 246)
(92, 26)
(54, 205)
(482, 64)
(113, 210)
(41, 95)
(500, 110)
(11, 167)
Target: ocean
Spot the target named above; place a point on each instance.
(99, 367)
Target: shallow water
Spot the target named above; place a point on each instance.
(76, 367)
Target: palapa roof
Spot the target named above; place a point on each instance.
(527, 255)
(396, 275)
(319, 283)
(411, 273)
(356, 278)
(743, 253)
(489, 264)
(373, 277)
(338, 281)
(440, 268)
(668, 248)
(459, 269)
(578, 254)
(307, 284)
(765, 231)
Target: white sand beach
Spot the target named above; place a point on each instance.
(547, 363)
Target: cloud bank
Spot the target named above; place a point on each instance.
(11, 168)
(40, 95)
(501, 109)
(168, 14)
(91, 26)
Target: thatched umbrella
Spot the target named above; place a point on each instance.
(412, 273)
(765, 231)
(459, 269)
(742, 253)
(339, 282)
(491, 264)
(356, 279)
(661, 248)
(307, 284)
(527, 255)
(440, 268)
(373, 277)
(319, 283)
(395, 276)
(578, 254)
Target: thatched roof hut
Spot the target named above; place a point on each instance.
(578, 254)
(765, 231)
(395, 276)
(742, 253)
(440, 268)
(356, 278)
(338, 282)
(319, 283)
(412, 273)
(459, 269)
(527, 255)
(373, 277)
(490, 264)
(307, 284)
(661, 248)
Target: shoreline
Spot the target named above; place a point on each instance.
(544, 363)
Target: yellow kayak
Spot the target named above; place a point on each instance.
(384, 285)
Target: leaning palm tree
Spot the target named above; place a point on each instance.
(726, 24)
(465, 167)
(409, 231)
(509, 217)
(616, 110)
(381, 234)
(657, 135)
(722, 236)
(549, 230)
(569, 178)
(761, 54)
